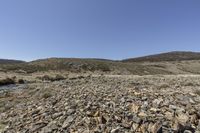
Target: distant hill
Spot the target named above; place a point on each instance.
(170, 56)
(68, 64)
(7, 61)
(177, 63)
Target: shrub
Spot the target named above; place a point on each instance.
(46, 78)
(46, 95)
(49, 78)
(103, 67)
(21, 81)
(59, 77)
(7, 81)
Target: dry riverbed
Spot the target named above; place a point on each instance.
(97, 104)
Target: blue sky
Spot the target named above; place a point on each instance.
(113, 29)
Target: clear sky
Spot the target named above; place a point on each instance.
(113, 29)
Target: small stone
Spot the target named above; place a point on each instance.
(193, 118)
(177, 109)
(135, 127)
(169, 115)
(118, 119)
(198, 127)
(173, 107)
(126, 125)
(50, 127)
(96, 114)
(178, 127)
(154, 110)
(35, 112)
(116, 130)
(56, 115)
(71, 111)
(145, 105)
(157, 127)
(37, 126)
(142, 114)
(143, 128)
(156, 103)
(191, 101)
(137, 93)
(136, 119)
(187, 131)
(67, 122)
(122, 100)
(182, 118)
(102, 119)
(134, 108)
(144, 98)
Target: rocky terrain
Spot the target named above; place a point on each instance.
(151, 94)
(103, 104)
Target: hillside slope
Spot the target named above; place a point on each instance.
(166, 63)
(170, 56)
(8, 61)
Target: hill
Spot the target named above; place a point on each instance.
(165, 63)
(8, 61)
(170, 56)
(67, 64)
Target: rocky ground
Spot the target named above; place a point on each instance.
(104, 104)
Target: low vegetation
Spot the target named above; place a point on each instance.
(51, 78)
(7, 81)
(166, 63)
(170, 56)
(46, 95)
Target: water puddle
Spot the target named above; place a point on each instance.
(12, 87)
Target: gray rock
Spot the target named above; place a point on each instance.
(116, 130)
(156, 103)
(187, 131)
(136, 119)
(67, 122)
(71, 111)
(56, 115)
(50, 127)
